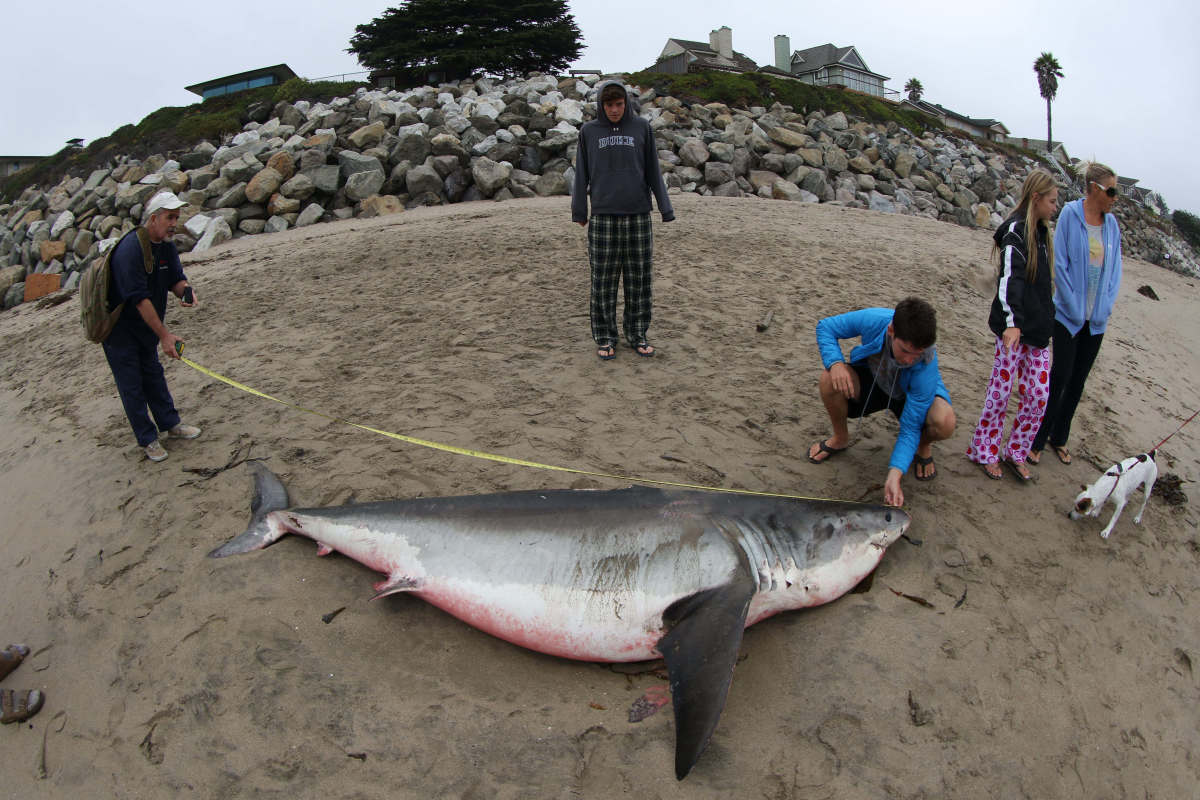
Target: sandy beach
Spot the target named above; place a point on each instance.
(1047, 662)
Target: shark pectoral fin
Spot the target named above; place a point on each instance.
(396, 584)
(700, 648)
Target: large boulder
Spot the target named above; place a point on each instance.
(368, 135)
(324, 178)
(551, 183)
(215, 233)
(569, 111)
(263, 185)
(411, 147)
(786, 190)
(718, 172)
(760, 178)
(446, 144)
(362, 185)
(65, 220)
(881, 202)
(350, 162)
(301, 186)
(787, 137)
(283, 163)
(490, 175)
(694, 152)
(423, 179)
(380, 205)
(233, 197)
(837, 121)
(133, 195)
(49, 250)
(310, 215)
(862, 164)
(241, 169)
(815, 182)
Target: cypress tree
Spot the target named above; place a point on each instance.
(459, 38)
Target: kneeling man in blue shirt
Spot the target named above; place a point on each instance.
(895, 368)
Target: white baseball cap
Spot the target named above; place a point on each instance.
(163, 201)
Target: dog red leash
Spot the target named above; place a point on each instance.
(1177, 430)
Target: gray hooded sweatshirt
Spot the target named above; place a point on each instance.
(617, 165)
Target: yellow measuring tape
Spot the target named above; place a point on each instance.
(463, 451)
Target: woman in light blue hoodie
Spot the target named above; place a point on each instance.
(1087, 275)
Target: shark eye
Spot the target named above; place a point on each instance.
(887, 517)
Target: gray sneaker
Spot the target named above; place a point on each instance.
(182, 431)
(155, 451)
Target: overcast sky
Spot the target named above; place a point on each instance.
(1129, 95)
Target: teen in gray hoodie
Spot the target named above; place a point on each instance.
(616, 165)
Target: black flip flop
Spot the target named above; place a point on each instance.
(823, 447)
(606, 356)
(1064, 455)
(637, 348)
(925, 462)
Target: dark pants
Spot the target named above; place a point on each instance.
(620, 248)
(1073, 359)
(141, 383)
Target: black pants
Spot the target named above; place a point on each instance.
(1073, 359)
(141, 383)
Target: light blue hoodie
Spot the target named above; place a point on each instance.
(1070, 270)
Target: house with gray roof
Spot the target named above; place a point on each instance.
(991, 129)
(826, 65)
(680, 56)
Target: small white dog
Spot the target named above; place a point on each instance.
(1117, 483)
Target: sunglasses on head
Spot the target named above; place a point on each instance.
(1111, 191)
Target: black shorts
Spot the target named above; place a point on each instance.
(871, 398)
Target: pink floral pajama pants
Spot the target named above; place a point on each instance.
(1031, 366)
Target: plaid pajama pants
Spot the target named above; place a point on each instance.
(620, 247)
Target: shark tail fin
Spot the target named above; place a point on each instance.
(269, 495)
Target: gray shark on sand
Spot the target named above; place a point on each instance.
(614, 575)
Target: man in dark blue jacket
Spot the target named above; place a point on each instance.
(616, 164)
(131, 347)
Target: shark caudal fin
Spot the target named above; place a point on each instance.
(700, 649)
(269, 495)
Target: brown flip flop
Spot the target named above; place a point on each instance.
(996, 476)
(11, 658)
(1025, 477)
(19, 706)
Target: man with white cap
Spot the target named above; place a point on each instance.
(131, 348)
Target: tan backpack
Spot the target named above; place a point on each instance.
(97, 320)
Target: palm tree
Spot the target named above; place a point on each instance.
(1048, 72)
(914, 89)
